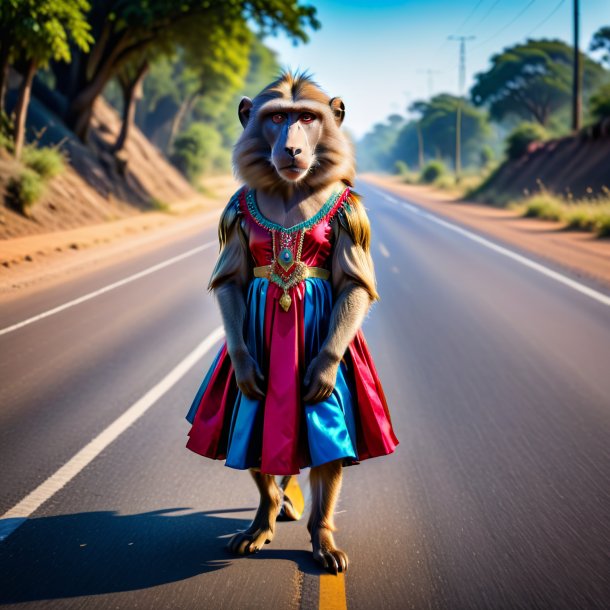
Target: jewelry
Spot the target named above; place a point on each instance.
(280, 268)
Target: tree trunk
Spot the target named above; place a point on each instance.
(131, 91)
(185, 107)
(21, 109)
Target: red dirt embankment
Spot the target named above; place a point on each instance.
(94, 187)
(577, 165)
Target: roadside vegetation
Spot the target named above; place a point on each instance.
(518, 104)
(173, 69)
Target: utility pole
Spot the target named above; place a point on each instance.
(577, 74)
(458, 115)
(430, 74)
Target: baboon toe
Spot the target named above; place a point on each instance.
(332, 560)
(246, 543)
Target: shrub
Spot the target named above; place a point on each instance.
(401, 168)
(24, 189)
(46, 162)
(600, 102)
(519, 140)
(195, 150)
(544, 206)
(432, 171)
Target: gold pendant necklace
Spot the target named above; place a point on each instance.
(286, 269)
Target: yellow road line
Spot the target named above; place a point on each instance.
(332, 592)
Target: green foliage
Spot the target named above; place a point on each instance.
(433, 171)
(196, 149)
(601, 42)
(438, 126)
(46, 162)
(23, 190)
(586, 215)
(522, 136)
(44, 30)
(600, 102)
(376, 149)
(543, 206)
(401, 168)
(532, 80)
(486, 156)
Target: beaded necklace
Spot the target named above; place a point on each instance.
(286, 269)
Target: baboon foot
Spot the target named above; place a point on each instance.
(326, 553)
(260, 532)
(250, 541)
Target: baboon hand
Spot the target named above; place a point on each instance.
(248, 375)
(320, 378)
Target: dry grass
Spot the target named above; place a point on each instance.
(584, 214)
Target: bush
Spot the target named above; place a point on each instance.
(195, 150)
(600, 102)
(432, 171)
(520, 138)
(46, 162)
(401, 168)
(24, 190)
(544, 206)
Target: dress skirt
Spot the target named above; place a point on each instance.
(280, 434)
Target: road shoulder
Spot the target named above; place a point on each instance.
(36, 262)
(578, 252)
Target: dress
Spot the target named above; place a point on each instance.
(279, 434)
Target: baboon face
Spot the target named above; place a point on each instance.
(292, 137)
(292, 134)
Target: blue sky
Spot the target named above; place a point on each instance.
(375, 54)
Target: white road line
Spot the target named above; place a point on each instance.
(559, 277)
(17, 515)
(108, 288)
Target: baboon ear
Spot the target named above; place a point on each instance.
(244, 110)
(338, 108)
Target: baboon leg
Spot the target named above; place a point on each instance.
(262, 529)
(325, 486)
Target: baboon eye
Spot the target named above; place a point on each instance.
(307, 117)
(278, 117)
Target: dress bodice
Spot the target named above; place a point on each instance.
(317, 244)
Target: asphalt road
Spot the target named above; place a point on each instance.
(498, 379)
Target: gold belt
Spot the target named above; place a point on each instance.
(318, 272)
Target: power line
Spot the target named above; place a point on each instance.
(559, 5)
(484, 17)
(472, 12)
(507, 25)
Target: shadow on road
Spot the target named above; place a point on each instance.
(105, 552)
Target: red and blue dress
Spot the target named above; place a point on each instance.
(287, 323)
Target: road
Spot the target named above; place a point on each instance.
(498, 379)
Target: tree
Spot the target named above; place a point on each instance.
(35, 32)
(601, 42)
(438, 127)
(124, 29)
(531, 80)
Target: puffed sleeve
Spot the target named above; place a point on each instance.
(352, 257)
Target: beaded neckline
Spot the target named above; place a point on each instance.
(306, 224)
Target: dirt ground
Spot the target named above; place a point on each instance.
(35, 261)
(579, 251)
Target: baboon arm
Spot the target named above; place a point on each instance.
(228, 282)
(354, 287)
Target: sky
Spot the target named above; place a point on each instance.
(376, 55)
